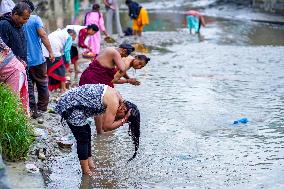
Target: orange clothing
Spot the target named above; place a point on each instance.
(141, 21)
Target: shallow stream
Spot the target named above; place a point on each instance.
(189, 97)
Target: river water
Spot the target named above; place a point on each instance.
(192, 90)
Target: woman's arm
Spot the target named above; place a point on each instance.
(109, 122)
(82, 38)
(202, 20)
(119, 74)
(102, 24)
(117, 77)
(118, 61)
(112, 100)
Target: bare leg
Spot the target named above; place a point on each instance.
(85, 167)
(62, 86)
(76, 67)
(135, 32)
(68, 72)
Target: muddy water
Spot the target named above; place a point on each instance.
(191, 92)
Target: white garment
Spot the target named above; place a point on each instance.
(6, 6)
(21, 80)
(57, 40)
(77, 29)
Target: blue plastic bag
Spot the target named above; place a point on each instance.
(241, 120)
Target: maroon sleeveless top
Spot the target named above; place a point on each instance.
(97, 74)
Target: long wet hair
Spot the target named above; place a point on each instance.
(134, 126)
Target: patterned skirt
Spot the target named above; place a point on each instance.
(56, 73)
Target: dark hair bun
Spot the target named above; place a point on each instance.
(128, 47)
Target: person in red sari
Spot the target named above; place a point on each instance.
(104, 67)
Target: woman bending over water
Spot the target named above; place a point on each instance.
(78, 104)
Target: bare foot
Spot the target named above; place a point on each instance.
(85, 167)
(91, 163)
(88, 173)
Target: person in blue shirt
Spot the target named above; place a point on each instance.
(37, 69)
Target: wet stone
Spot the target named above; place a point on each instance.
(41, 156)
(40, 121)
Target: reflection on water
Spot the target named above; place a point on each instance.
(141, 48)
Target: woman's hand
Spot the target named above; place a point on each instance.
(127, 116)
(106, 34)
(133, 81)
(51, 57)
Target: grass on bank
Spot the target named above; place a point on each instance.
(15, 130)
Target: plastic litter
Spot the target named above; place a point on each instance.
(241, 120)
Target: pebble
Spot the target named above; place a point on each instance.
(41, 156)
(40, 121)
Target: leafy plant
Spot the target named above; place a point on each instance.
(15, 130)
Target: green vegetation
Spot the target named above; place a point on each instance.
(15, 130)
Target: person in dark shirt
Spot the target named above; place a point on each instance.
(12, 32)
